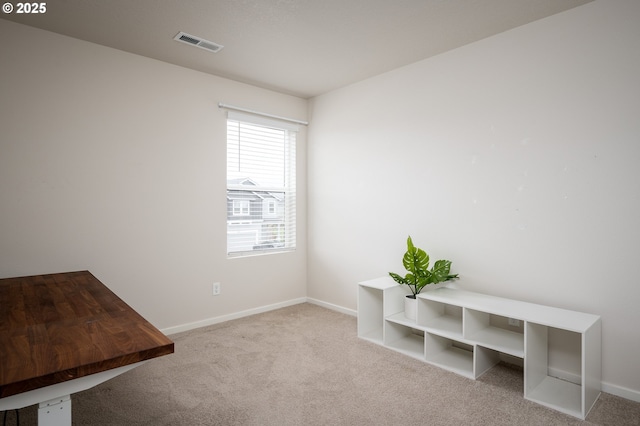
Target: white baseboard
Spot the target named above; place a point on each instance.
(333, 307)
(622, 392)
(259, 310)
(229, 317)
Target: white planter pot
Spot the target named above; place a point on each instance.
(410, 308)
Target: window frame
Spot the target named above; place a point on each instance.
(283, 200)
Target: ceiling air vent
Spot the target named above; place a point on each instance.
(198, 42)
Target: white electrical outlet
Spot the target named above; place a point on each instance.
(216, 289)
(514, 322)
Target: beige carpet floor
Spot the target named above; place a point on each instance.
(304, 365)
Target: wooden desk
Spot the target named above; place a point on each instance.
(62, 333)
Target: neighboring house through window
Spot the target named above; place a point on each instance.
(261, 191)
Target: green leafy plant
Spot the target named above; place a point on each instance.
(416, 262)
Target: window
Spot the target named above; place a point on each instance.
(270, 208)
(261, 190)
(241, 207)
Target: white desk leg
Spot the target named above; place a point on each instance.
(55, 412)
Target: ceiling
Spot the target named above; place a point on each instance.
(299, 47)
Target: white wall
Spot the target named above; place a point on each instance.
(115, 163)
(515, 157)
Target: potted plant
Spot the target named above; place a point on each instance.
(416, 262)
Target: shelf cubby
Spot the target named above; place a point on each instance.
(440, 318)
(482, 327)
(565, 394)
(404, 339)
(378, 299)
(370, 323)
(449, 355)
(485, 359)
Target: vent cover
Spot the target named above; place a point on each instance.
(198, 42)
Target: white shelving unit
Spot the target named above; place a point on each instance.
(465, 332)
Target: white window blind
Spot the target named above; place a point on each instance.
(261, 184)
